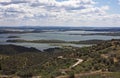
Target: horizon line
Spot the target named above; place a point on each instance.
(67, 26)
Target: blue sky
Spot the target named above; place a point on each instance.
(113, 4)
(60, 13)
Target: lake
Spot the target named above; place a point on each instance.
(56, 35)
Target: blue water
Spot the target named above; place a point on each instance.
(55, 36)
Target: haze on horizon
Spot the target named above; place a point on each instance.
(60, 13)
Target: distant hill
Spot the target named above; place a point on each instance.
(38, 29)
(14, 49)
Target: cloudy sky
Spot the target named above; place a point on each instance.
(60, 13)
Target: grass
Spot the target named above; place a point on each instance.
(103, 75)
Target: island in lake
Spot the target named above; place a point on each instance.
(59, 52)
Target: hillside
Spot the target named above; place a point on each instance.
(14, 49)
(56, 62)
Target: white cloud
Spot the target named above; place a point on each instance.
(119, 2)
(52, 12)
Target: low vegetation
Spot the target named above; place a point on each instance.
(13, 37)
(103, 57)
(57, 41)
(105, 34)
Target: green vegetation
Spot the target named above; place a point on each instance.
(13, 49)
(13, 37)
(103, 75)
(58, 41)
(106, 34)
(53, 62)
(37, 41)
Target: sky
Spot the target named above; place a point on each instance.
(78, 13)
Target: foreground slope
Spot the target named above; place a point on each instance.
(56, 62)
